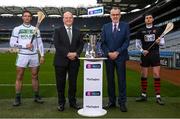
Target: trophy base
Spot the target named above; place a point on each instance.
(93, 59)
(96, 113)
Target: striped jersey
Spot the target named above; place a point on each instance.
(21, 36)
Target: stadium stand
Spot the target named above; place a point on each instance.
(164, 11)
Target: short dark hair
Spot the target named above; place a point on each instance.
(147, 14)
(26, 11)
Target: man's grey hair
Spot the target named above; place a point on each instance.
(67, 12)
(115, 8)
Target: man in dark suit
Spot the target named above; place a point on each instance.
(68, 44)
(115, 41)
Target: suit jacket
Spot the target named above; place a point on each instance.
(116, 42)
(63, 46)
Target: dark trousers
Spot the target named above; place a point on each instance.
(121, 77)
(60, 72)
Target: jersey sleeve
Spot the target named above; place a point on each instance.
(14, 39)
(139, 41)
(38, 33)
(139, 45)
(40, 46)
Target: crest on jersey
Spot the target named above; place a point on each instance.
(154, 31)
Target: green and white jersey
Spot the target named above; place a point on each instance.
(21, 36)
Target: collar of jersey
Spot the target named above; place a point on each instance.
(149, 26)
(27, 25)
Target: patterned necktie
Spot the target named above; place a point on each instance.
(114, 31)
(69, 34)
(115, 28)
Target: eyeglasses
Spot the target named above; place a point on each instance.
(115, 14)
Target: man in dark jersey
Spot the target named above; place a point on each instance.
(150, 57)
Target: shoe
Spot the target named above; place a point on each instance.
(109, 105)
(38, 99)
(123, 108)
(75, 106)
(159, 101)
(60, 107)
(17, 101)
(141, 99)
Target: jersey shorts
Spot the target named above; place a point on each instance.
(151, 59)
(27, 60)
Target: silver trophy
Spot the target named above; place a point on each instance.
(91, 47)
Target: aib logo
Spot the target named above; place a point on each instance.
(93, 93)
(93, 66)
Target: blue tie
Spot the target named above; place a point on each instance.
(115, 28)
(114, 31)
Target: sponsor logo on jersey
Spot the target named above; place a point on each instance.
(154, 31)
(149, 37)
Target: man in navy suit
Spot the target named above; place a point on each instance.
(68, 44)
(115, 41)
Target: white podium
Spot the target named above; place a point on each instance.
(92, 94)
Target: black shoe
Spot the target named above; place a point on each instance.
(75, 106)
(109, 105)
(123, 108)
(141, 99)
(17, 101)
(38, 99)
(60, 107)
(159, 101)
